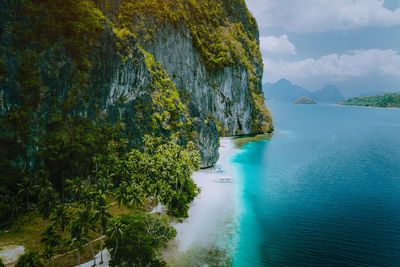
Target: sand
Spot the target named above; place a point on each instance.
(213, 207)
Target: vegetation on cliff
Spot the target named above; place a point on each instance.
(224, 33)
(387, 100)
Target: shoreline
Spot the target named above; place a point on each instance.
(361, 106)
(211, 214)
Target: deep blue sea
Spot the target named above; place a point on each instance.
(324, 191)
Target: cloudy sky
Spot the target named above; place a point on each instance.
(353, 44)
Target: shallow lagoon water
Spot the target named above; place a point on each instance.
(324, 190)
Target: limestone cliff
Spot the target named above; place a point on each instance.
(189, 70)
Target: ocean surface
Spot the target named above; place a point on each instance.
(324, 191)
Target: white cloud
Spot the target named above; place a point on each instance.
(334, 67)
(280, 45)
(322, 15)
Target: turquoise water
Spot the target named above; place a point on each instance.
(324, 191)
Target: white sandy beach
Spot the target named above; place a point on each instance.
(212, 207)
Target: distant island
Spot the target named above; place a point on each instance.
(284, 91)
(305, 100)
(387, 100)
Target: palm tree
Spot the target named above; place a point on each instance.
(87, 196)
(96, 160)
(51, 240)
(135, 199)
(41, 182)
(26, 190)
(61, 217)
(75, 187)
(121, 194)
(85, 219)
(48, 200)
(103, 185)
(48, 254)
(156, 191)
(4, 194)
(50, 237)
(17, 206)
(101, 214)
(115, 230)
(78, 237)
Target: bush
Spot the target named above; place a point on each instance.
(141, 236)
(29, 259)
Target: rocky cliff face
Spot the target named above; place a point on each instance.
(222, 95)
(161, 85)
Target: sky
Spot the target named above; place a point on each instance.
(352, 44)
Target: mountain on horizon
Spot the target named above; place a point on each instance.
(284, 91)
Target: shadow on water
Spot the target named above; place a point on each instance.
(240, 141)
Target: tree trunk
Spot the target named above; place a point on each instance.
(79, 258)
(91, 248)
(115, 251)
(101, 246)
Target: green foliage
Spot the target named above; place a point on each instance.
(164, 171)
(305, 100)
(50, 237)
(133, 240)
(48, 253)
(51, 22)
(29, 259)
(48, 200)
(36, 26)
(115, 231)
(261, 116)
(79, 231)
(26, 190)
(101, 213)
(61, 217)
(1, 263)
(39, 138)
(69, 146)
(385, 101)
